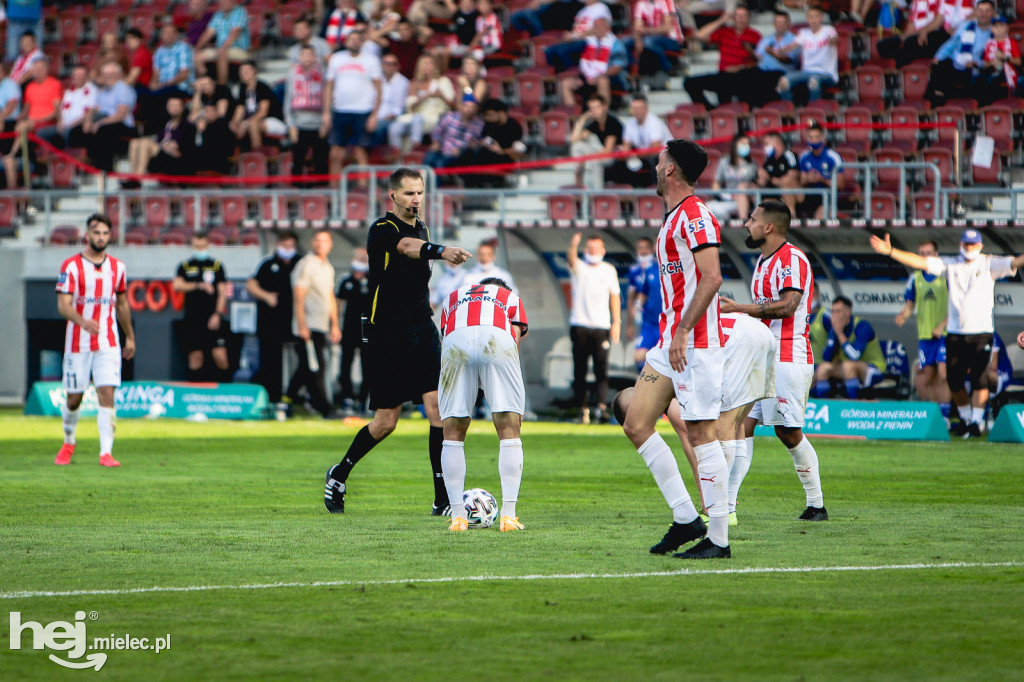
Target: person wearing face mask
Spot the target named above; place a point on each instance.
(204, 330)
(353, 296)
(781, 169)
(971, 277)
(594, 320)
(487, 267)
(817, 166)
(271, 285)
(643, 301)
(734, 172)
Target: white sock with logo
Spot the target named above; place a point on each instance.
(740, 467)
(662, 463)
(977, 415)
(106, 420)
(510, 468)
(453, 464)
(69, 419)
(714, 482)
(805, 459)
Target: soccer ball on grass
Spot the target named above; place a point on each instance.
(481, 508)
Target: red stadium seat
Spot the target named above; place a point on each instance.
(562, 206)
(63, 235)
(357, 208)
(175, 238)
(138, 236)
(267, 211)
(9, 207)
(806, 116)
(993, 175)
(943, 158)
(766, 119)
(904, 138)
(62, 172)
(914, 81)
(556, 129)
(649, 207)
(188, 211)
(681, 125)
(221, 236)
(997, 122)
(252, 165)
(860, 138)
(724, 123)
(883, 206)
(157, 211)
(605, 207)
(887, 173)
(106, 20)
(925, 207)
(71, 28)
(286, 16)
(948, 137)
(783, 106)
(312, 206)
(233, 210)
(249, 238)
(871, 87)
(144, 19)
(530, 90)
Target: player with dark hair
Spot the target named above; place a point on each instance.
(91, 293)
(852, 353)
(688, 361)
(404, 348)
(482, 326)
(782, 289)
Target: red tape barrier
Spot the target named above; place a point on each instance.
(459, 170)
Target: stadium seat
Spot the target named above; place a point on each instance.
(71, 28)
(991, 176)
(681, 125)
(561, 206)
(64, 235)
(530, 90)
(765, 119)
(783, 106)
(233, 210)
(62, 172)
(870, 87)
(950, 137)
(249, 238)
(144, 19)
(222, 236)
(858, 136)
(806, 116)
(887, 172)
(724, 123)
(357, 208)
(286, 16)
(157, 211)
(188, 211)
(267, 211)
(556, 129)
(175, 237)
(997, 122)
(925, 208)
(883, 205)
(904, 138)
(649, 207)
(252, 165)
(605, 207)
(943, 158)
(312, 206)
(106, 20)
(914, 82)
(140, 236)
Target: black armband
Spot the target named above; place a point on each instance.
(431, 251)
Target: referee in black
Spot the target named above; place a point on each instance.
(403, 344)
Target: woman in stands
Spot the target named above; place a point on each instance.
(735, 172)
(431, 96)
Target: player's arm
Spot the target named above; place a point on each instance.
(907, 311)
(124, 318)
(571, 256)
(864, 333)
(420, 249)
(1017, 262)
(66, 308)
(710, 280)
(911, 260)
(777, 309)
(615, 301)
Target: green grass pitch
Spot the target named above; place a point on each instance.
(225, 505)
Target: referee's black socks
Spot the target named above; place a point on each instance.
(436, 443)
(361, 444)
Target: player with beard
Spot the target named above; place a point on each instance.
(91, 293)
(782, 289)
(688, 361)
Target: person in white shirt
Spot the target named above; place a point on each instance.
(594, 320)
(303, 34)
(394, 91)
(643, 131)
(77, 100)
(566, 54)
(448, 281)
(351, 100)
(819, 58)
(486, 267)
(971, 279)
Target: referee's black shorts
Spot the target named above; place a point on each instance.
(197, 335)
(967, 356)
(403, 364)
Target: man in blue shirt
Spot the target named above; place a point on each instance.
(756, 85)
(852, 352)
(111, 124)
(644, 301)
(817, 166)
(225, 40)
(957, 64)
(23, 15)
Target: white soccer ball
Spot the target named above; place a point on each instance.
(156, 410)
(481, 508)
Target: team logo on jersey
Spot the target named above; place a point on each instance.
(696, 225)
(786, 272)
(63, 279)
(671, 268)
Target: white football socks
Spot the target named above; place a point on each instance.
(977, 415)
(69, 419)
(714, 482)
(662, 463)
(510, 468)
(106, 420)
(965, 413)
(805, 459)
(740, 467)
(453, 464)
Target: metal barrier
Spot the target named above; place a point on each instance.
(903, 168)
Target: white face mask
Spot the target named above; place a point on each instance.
(360, 266)
(645, 260)
(969, 255)
(286, 254)
(592, 260)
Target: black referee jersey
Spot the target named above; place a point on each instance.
(399, 285)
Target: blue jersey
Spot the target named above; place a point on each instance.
(827, 163)
(647, 281)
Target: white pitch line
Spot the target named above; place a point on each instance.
(485, 578)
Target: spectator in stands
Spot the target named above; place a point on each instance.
(594, 321)
(422, 11)
(817, 166)
(23, 16)
(225, 40)
(199, 16)
(1001, 61)
(471, 79)
(656, 29)
(431, 96)
(781, 169)
(78, 99)
(603, 64)
(688, 8)
(172, 152)
(736, 51)
(354, 298)
(643, 131)
(394, 92)
(174, 69)
(502, 143)
(111, 124)
(958, 61)
(208, 93)
(758, 83)
(384, 20)
(596, 131)
(212, 108)
(38, 115)
(342, 21)
(409, 47)
(303, 112)
(29, 52)
(302, 31)
(735, 172)
(819, 58)
(922, 35)
(463, 32)
(566, 54)
(545, 15)
(258, 111)
(351, 100)
(111, 50)
(852, 353)
(10, 106)
(140, 61)
(455, 132)
(489, 32)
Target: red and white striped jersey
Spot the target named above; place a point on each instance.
(922, 12)
(483, 304)
(652, 13)
(728, 322)
(94, 289)
(689, 227)
(787, 268)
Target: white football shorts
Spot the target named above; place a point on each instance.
(102, 366)
(749, 364)
(698, 388)
(480, 357)
(787, 408)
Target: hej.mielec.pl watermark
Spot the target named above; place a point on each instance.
(72, 639)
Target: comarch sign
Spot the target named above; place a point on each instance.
(163, 399)
(872, 420)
